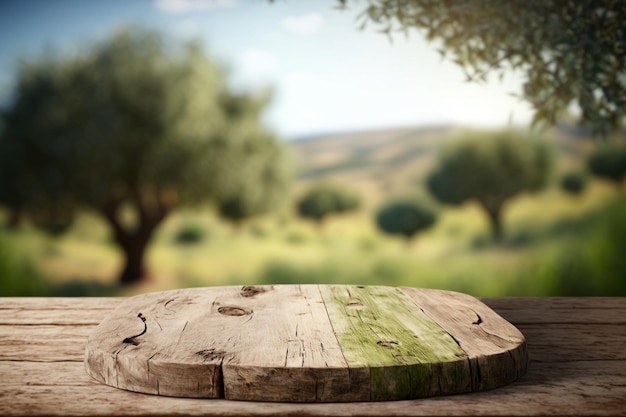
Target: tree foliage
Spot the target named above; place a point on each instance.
(136, 122)
(570, 52)
(490, 168)
(323, 199)
(406, 216)
(608, 161)
(259, 182)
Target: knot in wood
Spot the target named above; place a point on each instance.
(389, 345)
(252, 290)
(234, 311)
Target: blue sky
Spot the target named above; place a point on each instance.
(328, 76)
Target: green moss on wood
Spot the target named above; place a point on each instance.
(409, 355)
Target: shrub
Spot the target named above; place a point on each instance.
(323, 200)
(573, 182)
(190, 234)
(406, 216)
(608, 161)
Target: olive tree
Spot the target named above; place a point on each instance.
(490, 168)
(569, 52)
(136, 123)
(324, 199)
(406, 216)
(258, 167)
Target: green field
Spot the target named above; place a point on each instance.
(556, 244)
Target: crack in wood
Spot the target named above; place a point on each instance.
(148, 361)
(131, 339)
(332, 326)
(212, 355)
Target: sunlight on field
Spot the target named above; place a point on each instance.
(456, 254)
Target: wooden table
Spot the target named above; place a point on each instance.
(576, 347)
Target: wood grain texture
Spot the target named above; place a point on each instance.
(305, 343)
(578, 383)
(407, 354)
(290, 352)
(495, 350)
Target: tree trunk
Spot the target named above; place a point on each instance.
(134, 248)
(15, 219)
(495, 219)
(133, 242)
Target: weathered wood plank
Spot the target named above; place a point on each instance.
(578, 310)
(574, 342)
(45, 374)
(555, 303)
(43, 343)
(564, 316)
(74, 317)
(306, 363)
(408, 354)
(580, 388)
(270, 343)
(57, 311)
(496, 350)
(287, 351)
(582, 385)
(137, 347)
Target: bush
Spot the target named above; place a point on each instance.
(406, 216)
(323, 200)
(608, 161)
(573, 182)
(190, 234)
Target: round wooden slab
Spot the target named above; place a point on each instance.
(305, 343)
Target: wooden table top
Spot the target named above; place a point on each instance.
(577, 366)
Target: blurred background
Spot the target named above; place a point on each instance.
(161, 144)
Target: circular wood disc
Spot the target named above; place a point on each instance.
(305, 343)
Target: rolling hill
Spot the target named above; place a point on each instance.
(384, 162)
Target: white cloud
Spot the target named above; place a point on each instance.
(258, 65)
(305, 25)
(186, 6)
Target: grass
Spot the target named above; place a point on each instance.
(556, 244)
